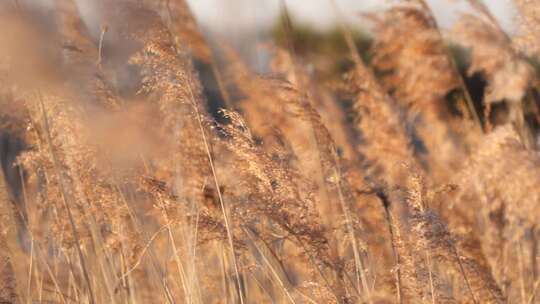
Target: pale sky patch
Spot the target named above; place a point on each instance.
(236, 15)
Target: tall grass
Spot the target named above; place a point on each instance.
(148, 163)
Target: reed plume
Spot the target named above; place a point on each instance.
(417, 70)
(124, 180)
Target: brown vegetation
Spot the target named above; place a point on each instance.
(397, 181)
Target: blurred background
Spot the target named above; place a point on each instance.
(241, 22)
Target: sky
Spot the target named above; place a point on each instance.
(230, 15)
(223, 16)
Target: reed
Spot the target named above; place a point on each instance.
(356, 178)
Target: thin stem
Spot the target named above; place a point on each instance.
(220, 196)
(389, 219)
(533, 293)
(100, 47)
(467, 95)
(65, 200)
(269, 265)
(360, 274)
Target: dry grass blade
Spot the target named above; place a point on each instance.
(350, 172)
(170, 71)
(67, 200)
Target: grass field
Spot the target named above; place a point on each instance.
(152, 164)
